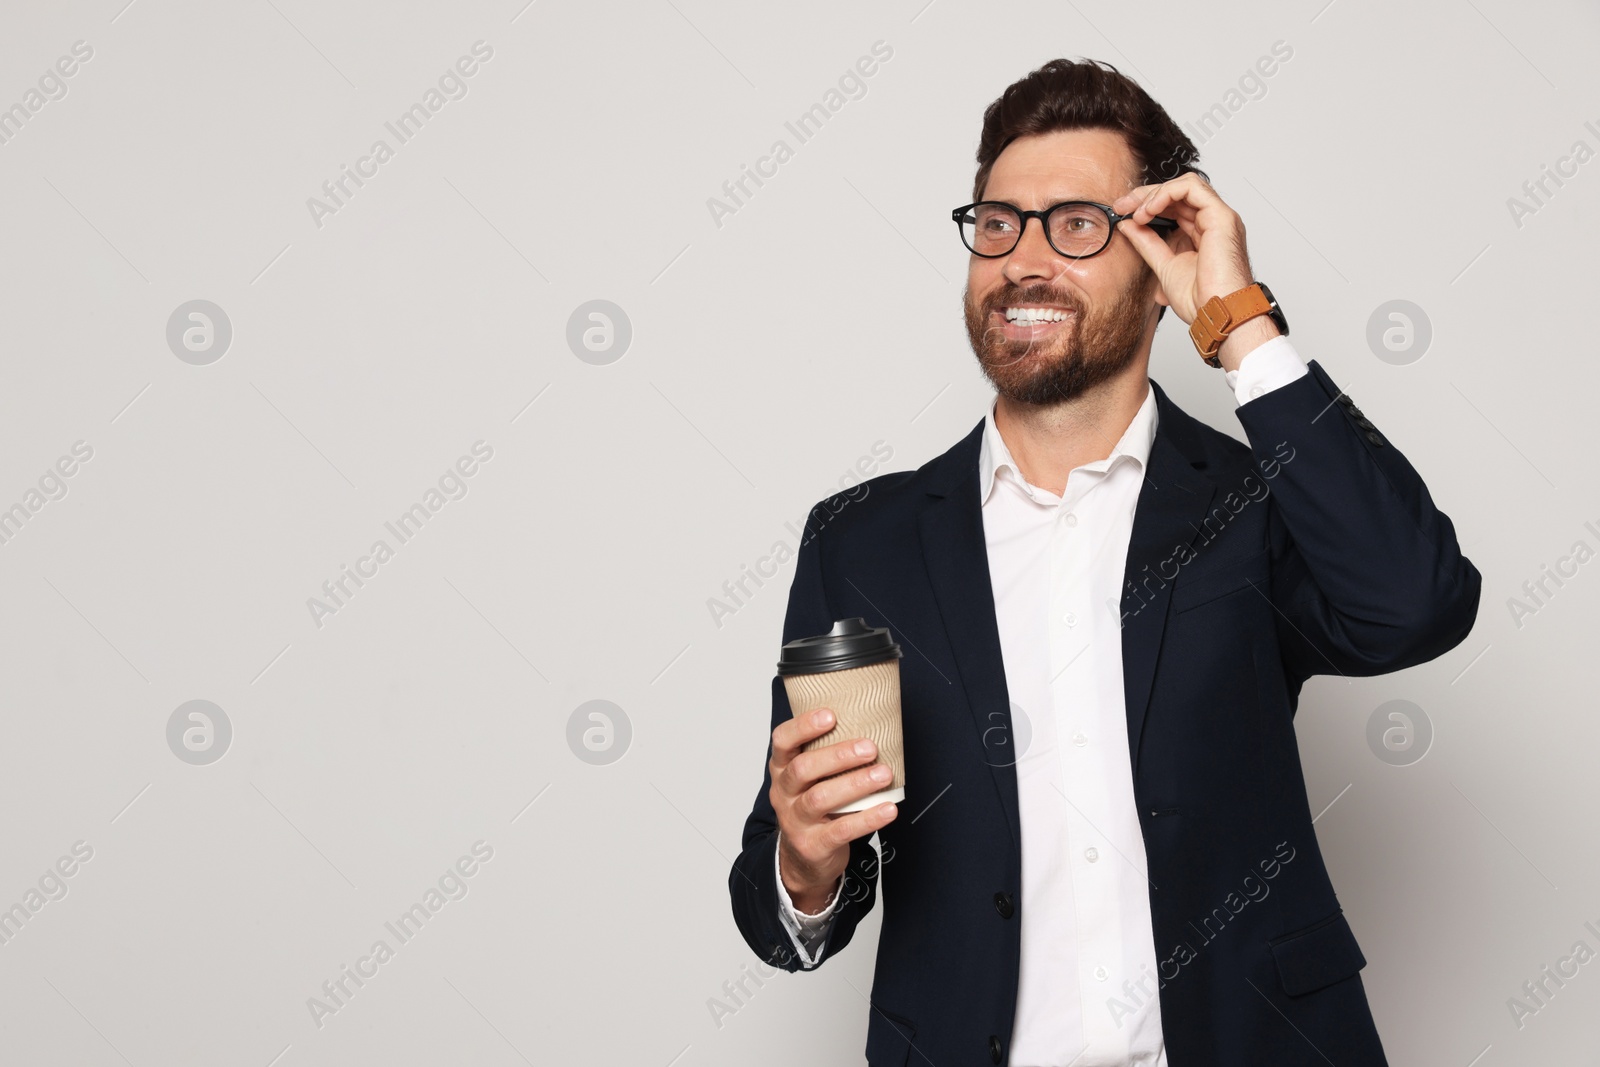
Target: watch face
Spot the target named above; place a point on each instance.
(1276, 314)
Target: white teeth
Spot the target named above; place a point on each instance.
(1029, 316)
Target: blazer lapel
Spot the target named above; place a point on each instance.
(957, 559)
(1173, 501)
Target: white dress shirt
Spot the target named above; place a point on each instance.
(1087, 984)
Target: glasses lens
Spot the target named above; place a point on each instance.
(1079, 230)
(990, 229)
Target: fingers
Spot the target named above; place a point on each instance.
(1187, 220)
(1166, 202)
(843, 829)
(1189, 201)
(816, 841)
(792, 733)
(1187, 187)
(1148, 243)
(808, 786)
(809, 768)
(794, 771)
(817, 800)
(1183, 196)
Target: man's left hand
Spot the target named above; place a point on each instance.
(1205, 257)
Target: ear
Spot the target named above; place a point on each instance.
(1160, 293)
(1161, 304)
(1179, 242)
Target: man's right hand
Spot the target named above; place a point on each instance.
(815, 846)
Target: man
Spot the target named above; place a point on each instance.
(1107, 610)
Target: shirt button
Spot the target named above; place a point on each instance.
(1079, 740)
(1091, 854)
(1070, 619)
(1071, 519)
(1255, 392)
(1101, 973)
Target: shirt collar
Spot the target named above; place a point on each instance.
(1135, 444)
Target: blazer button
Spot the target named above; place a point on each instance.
(1346, 400)
(1375, 438)
(994, 1049)
(1002, 904)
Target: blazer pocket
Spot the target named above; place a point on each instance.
(1317, 955)
(1193, 591)
(889, 1039)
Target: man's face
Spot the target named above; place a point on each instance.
(1109, 299)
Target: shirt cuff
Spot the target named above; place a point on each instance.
(808, 933)
(1266, 367)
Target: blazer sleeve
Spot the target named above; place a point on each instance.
(1366, 573)
(752, 883)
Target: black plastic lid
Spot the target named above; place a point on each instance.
(851, 643)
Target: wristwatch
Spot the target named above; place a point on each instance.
(1221, 315)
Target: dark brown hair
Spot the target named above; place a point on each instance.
(1067, 95)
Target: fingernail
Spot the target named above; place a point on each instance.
(880, 773)
(863, 747)
(822, 717)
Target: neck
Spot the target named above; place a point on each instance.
(1047, 441)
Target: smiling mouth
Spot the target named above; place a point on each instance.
(1025, 321)
(1027, 314)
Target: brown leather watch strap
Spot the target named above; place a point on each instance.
(1219, 316)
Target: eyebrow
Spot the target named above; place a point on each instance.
(1058, 199)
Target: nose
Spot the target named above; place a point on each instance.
(1034, 259)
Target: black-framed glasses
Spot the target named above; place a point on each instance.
(1076, 229)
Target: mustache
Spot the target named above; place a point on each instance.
(1023, 297)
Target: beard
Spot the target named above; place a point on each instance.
(1078, 355)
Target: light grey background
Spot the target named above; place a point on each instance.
(768, 355)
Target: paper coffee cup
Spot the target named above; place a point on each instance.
(853, 670)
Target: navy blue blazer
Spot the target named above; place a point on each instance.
(1316, 549)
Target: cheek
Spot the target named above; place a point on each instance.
(983, 279)
(983, 275)
(1125, 280)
